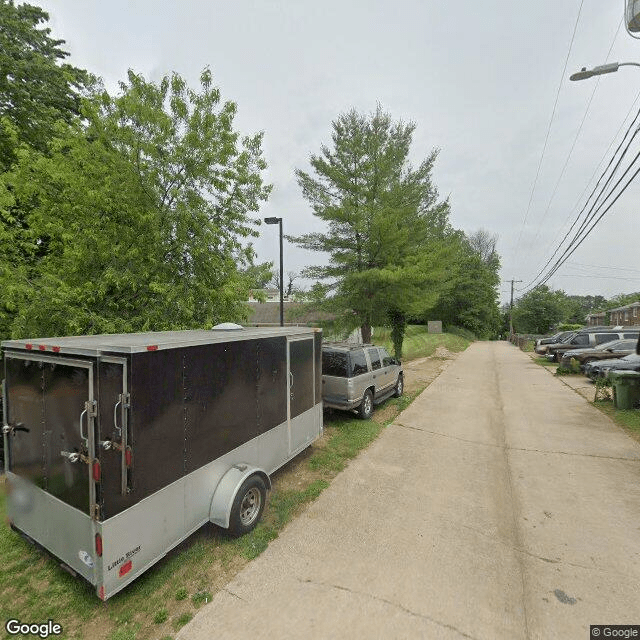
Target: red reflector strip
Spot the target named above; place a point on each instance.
(101, 594)
(56, 349)
(42, 347)
(152, 347)
(96, 471)
(28, 346)
(128, 456)
(125, 568)
(99, 545)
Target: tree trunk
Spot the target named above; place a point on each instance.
(365, 330)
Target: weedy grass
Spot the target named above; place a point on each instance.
(418, 342)
(628, 419)
(34, 588)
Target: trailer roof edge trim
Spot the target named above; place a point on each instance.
(126, 343)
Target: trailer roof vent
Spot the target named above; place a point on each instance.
(227, 326)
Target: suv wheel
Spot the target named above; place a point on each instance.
(399, 387)
(366, 406)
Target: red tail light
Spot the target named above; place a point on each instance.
(152, 347)
(28, 346)
(128, 456)
(98, 545)
(96, 471)
(56, 349)
(42, 347)
(101, 594)
(125, 568)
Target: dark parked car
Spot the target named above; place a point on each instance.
(600, 368)
(542, 344)
(606, 351)
(591, 337)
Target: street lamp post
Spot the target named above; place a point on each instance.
(278, 221)
(612, 67)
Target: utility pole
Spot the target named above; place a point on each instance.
(512, 281)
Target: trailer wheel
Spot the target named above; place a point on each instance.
(247, 506)
(366, 406)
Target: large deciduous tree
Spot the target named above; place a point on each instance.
(383, 217)
(139, 214)
(36, 87)
(538, 310)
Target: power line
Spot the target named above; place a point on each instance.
(566, 255)
(546, 139)
(599, 266)
(604, 155)
(591, 214)
(575, 139)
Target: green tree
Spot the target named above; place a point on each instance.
(538, 310)
(382, 214)
(470, 300)
(36, 87)
(140, 214)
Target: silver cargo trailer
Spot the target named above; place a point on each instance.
(118, 447)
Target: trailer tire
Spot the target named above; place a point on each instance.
(248, 506)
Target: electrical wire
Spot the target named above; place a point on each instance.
(587, 217)
(546, 139)
(566, 255)
(575, 139)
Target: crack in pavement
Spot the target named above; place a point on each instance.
(444, 625)
(507, 448)
(235, 595)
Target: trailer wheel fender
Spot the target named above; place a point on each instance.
(225, 492)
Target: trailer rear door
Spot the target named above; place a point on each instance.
(301, 391)
(50, 409)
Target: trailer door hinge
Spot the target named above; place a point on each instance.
(95, 511)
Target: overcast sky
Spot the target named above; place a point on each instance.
(479, 79)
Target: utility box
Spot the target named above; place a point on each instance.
(434, 326)
(118, 447)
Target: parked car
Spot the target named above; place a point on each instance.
(591, 337)
(600, 368)
(606, 351)
(357, 377)
(542, 344)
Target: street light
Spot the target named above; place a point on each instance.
(278, 221)
(612, 67)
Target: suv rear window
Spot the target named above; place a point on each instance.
(358, 362)
(375, 358)
(334, 363)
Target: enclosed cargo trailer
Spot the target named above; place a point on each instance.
(118, 447)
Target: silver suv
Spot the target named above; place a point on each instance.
(355, 377)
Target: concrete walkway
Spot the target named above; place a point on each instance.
(500, 504)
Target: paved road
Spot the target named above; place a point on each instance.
(499, 505)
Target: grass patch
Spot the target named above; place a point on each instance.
(181, 620)
(528, 346)
(418, 342)
(200, 598)
(33, 587)
(629, 419)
